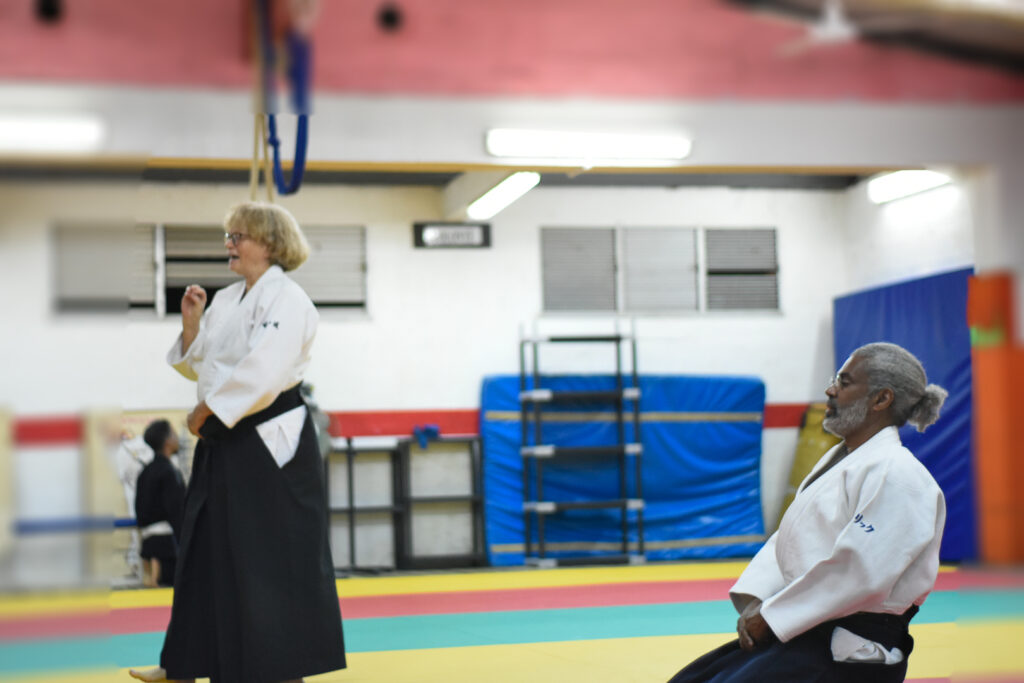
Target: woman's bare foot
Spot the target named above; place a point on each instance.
(156, 674)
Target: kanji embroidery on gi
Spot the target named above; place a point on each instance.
(859, 519)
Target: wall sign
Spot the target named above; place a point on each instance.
(451, 235)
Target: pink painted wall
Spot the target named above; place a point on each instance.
(700, 49)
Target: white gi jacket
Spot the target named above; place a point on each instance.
(249, 349)
(863, 538)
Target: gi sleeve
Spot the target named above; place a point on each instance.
(279, 339)
(761, 579)
(185, 363)
(891, 526)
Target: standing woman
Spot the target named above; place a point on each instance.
(254, 592)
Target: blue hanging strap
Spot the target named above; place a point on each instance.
(299, 167)
(299, 62)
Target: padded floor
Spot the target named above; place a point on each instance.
(624, 624)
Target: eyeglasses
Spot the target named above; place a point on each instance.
(839, 381)
(235, 237)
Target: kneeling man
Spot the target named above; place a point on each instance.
(830, 595)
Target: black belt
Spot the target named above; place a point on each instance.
(889, 630)
(288, 399)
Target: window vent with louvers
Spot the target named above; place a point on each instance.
(333, 275)
(660, 269)
(578, 267)
(102, 267)
(742, 270)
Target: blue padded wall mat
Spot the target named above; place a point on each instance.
(928, 317)
(701, 467)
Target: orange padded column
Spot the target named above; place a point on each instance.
(997, 369)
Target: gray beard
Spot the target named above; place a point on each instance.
(845, 420)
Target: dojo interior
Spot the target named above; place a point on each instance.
(727, 283)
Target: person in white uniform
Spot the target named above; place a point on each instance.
(254, 591)
(830, 595)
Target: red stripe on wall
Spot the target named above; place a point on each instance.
(39, 431)
(783, 414)
(390, 423)
(395, 422)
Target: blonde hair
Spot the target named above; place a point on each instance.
(273, 226)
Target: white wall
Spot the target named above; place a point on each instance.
(361, 130)
(921, 235)
(998, 210)
(48, 486)
(438, 321)
(747, 343)
(202, 123)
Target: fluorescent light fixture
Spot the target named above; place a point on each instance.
(502, 194)
(27, 133)
(899, 184)
(588, 149)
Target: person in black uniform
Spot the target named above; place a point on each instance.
(159, 505)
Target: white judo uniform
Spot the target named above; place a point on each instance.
(249, 349)
(863, 537)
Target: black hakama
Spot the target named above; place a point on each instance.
(159, 497)
(254, 593)
(807, 658)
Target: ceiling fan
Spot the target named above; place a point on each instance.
(980, 30)
(832, 27)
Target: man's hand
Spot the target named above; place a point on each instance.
(197, 417)
(753, 630)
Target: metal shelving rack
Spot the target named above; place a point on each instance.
(351, 449)
(399, 508)
(535, 452)
(473, 500)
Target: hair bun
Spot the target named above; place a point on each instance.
(926, 411)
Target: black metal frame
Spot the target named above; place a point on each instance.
(478, 556)
(535, 453)
(351, 511)
(401, 506)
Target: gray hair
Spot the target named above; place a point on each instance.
(889, 366)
